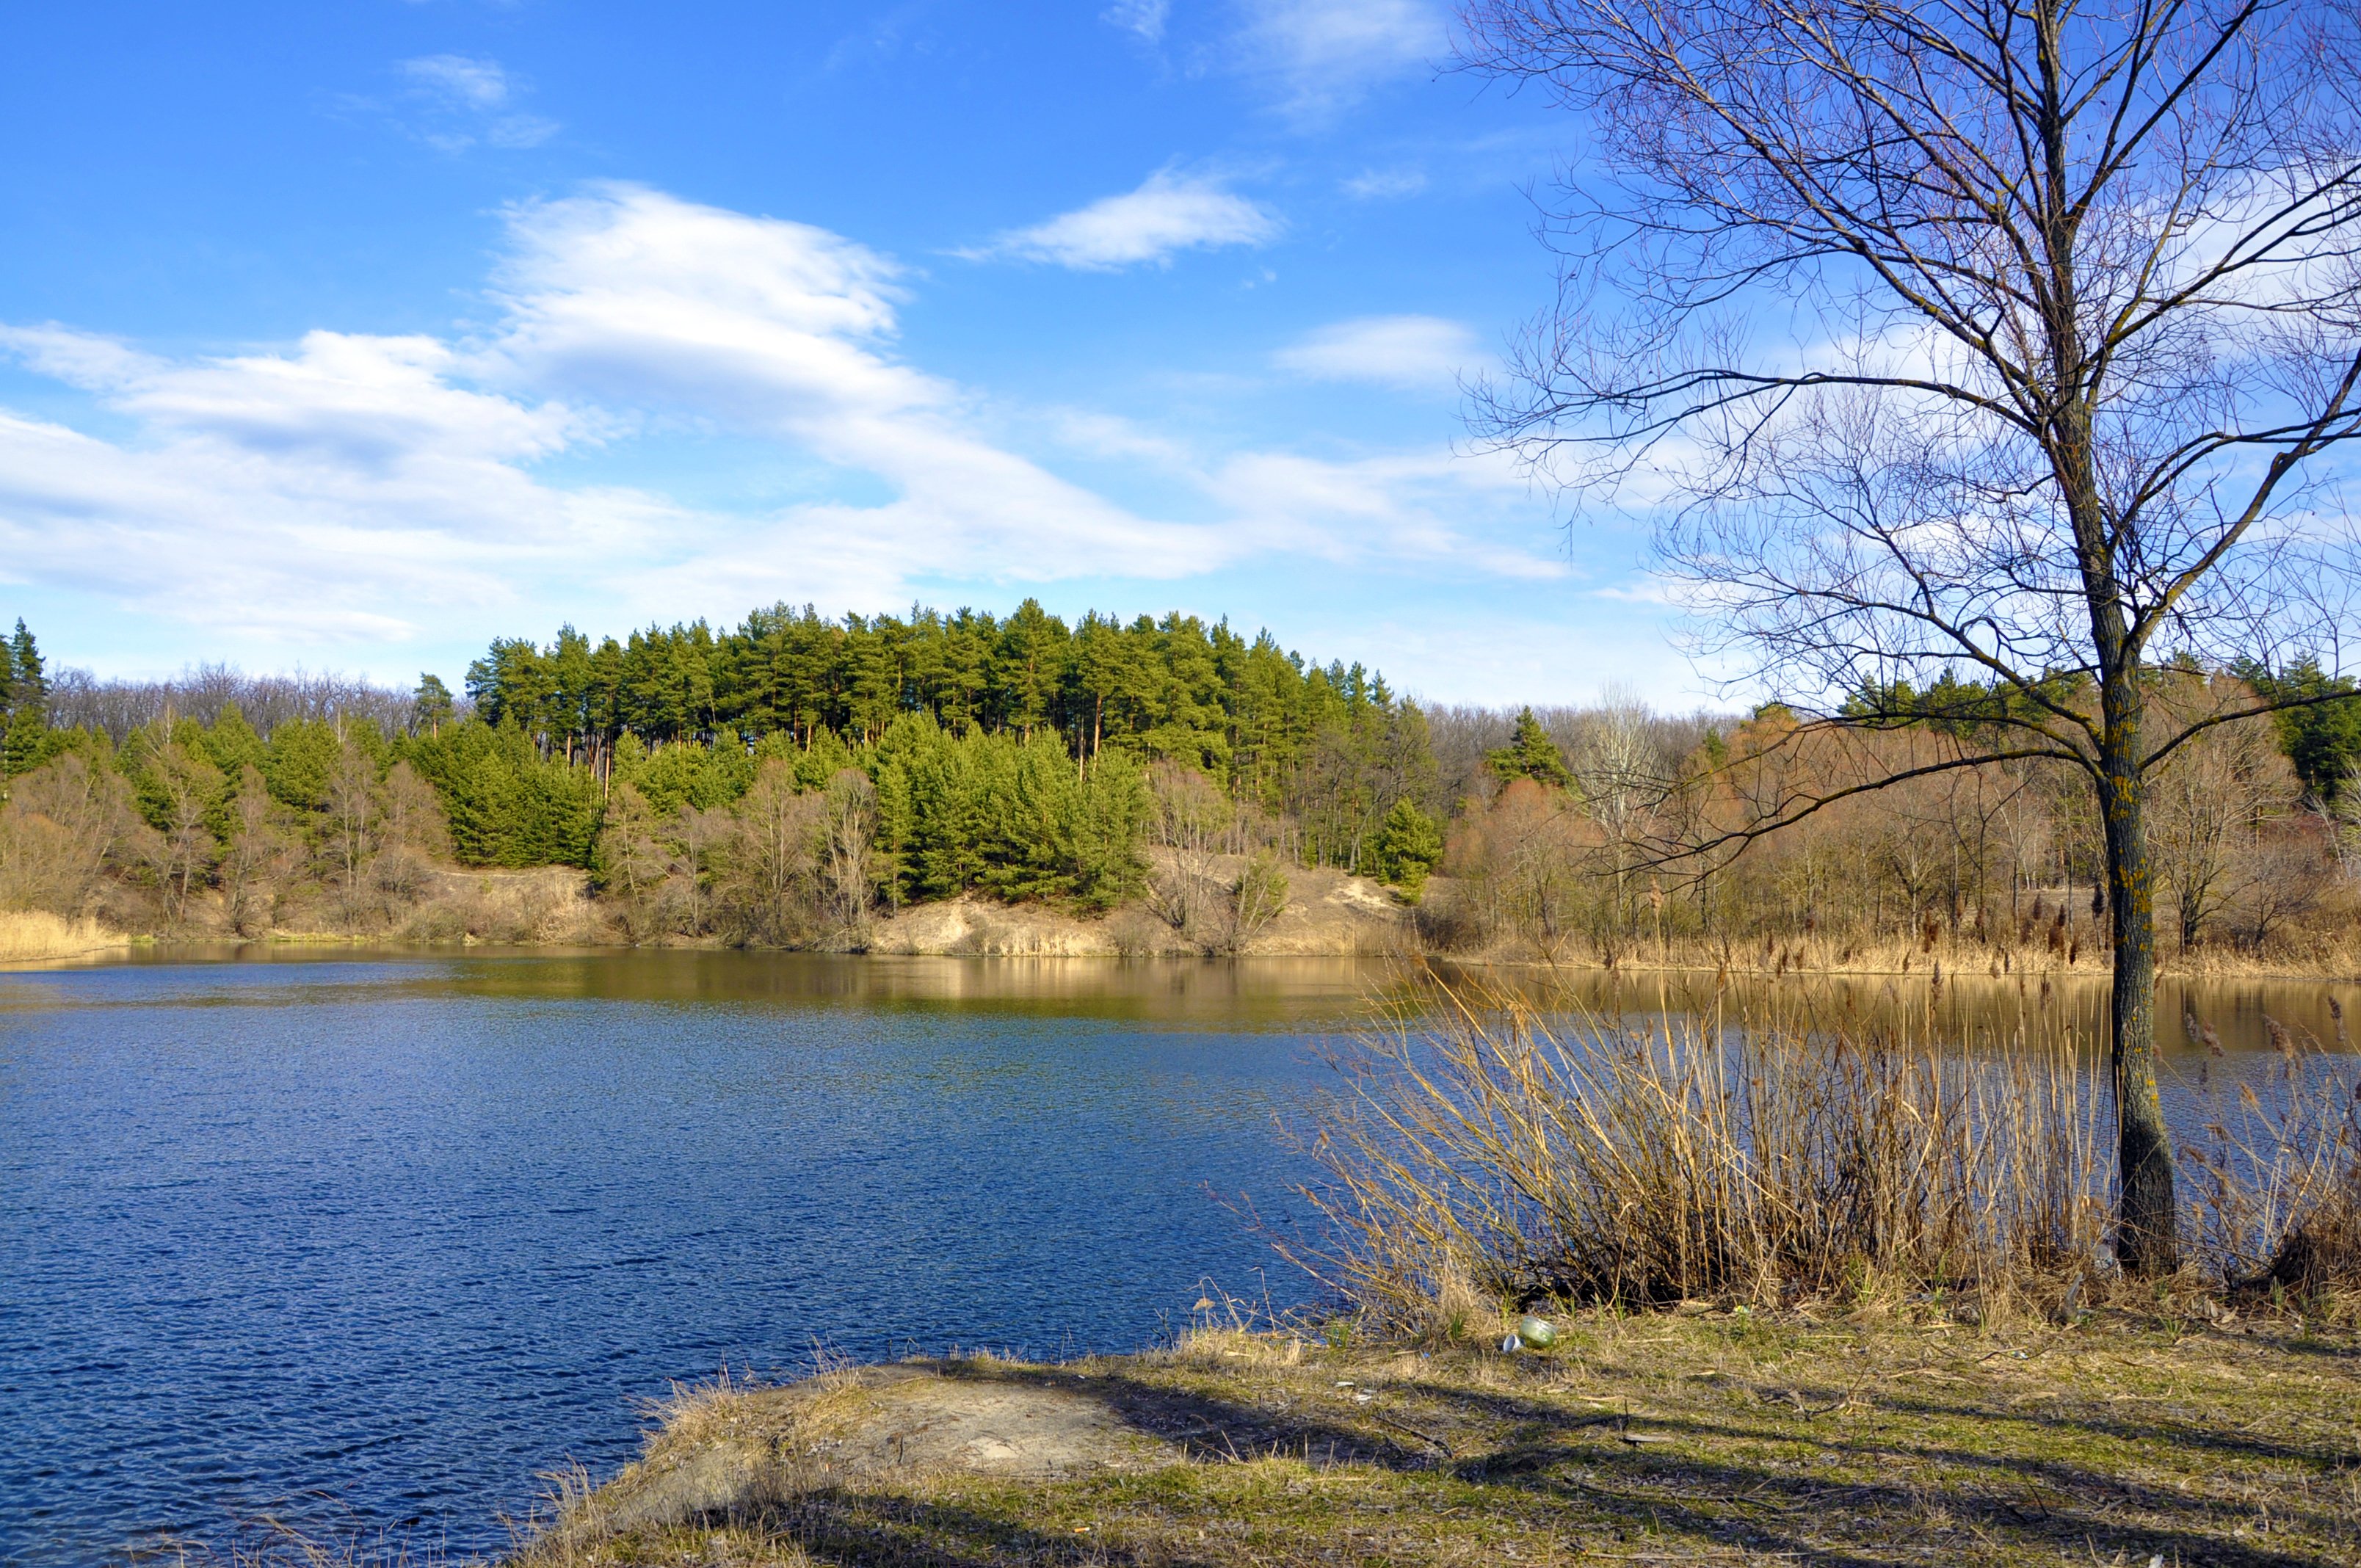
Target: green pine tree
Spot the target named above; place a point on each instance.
(1409, 847)
(431, 706)
(27, 686)
(29, 741)
(1531, 755)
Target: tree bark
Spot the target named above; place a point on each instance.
(2146, 1241)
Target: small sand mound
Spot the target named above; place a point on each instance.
(920, 1419)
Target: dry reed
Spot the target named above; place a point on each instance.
(2276, 1171)
(2081, 953)
(1481, 1152)
(32, 936)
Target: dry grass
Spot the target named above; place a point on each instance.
(36, 937)
(2083, 953)
(1484, 1151)
(1725, 1437)
(2275, 1176)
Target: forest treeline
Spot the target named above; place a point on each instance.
(792, 779)
(773, 783)
(2254, 824)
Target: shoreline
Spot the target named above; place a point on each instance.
(1703, 1434)
(962, 943)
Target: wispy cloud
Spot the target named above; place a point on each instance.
(1394, 351)
(459, 80)
(1407, 506)
(1170, 212)
(1322, 55)
(464, 101)
(1143, 19)
(1385, 184)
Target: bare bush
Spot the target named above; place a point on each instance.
(61, 827)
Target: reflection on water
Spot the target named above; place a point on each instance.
(2240, 1012)
(1264, 991)
(393, 1233)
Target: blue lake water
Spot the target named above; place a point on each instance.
(370, 1244)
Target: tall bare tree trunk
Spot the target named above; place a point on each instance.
(2146, 1241)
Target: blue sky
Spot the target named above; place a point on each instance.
(354, 332)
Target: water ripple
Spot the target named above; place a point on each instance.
(374, 1245)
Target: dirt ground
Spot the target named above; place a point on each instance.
(1718, 1438)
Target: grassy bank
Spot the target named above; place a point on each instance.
(2132, 1435)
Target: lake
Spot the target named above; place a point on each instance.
(366, 1242)
(375, 1240)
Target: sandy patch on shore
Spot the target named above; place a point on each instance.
(730, 1453)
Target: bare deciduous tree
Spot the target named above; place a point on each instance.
(770, 857)
(1619, 769)
(632, 861)
(60, 827)
(258, 856)
(1989, 338)
(354, 815)
(1192, 821)
(2213, 809)
(848, 854)
(183, 783)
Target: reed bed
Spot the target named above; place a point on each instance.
(1480, 1151)
(2273, 1169)
(2054, 952)
(32, 936)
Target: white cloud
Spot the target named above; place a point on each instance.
(1394, 351)
(1385, 184)
(354, 489)
(511, 132)
(464, 101)
(77, 359)
(1168, 213)
(378, 483)
(1143, 19)
(630, 296)
(459, 80)
(1320, 55)
(344, 489)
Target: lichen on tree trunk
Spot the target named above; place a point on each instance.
(2147, 1241)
